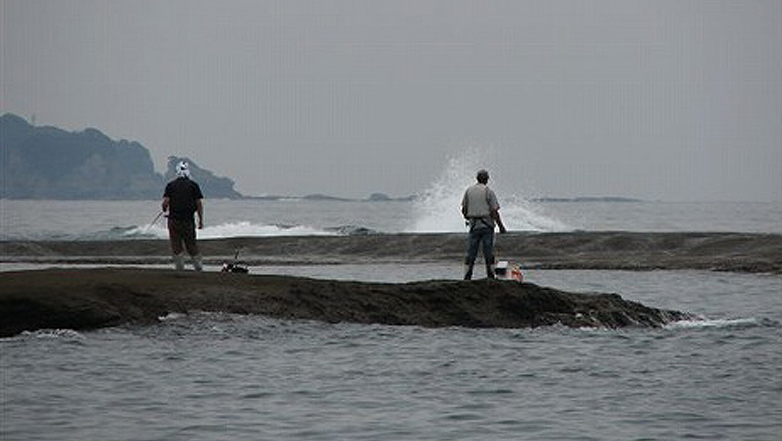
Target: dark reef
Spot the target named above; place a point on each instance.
(93, 298)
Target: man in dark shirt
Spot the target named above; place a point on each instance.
(181, 198)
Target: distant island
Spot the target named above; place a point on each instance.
(374, 197)
(612, 199)
(42, 162)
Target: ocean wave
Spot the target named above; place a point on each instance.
(64, 334)
(235, 229)
(705, 323)
(351, 230)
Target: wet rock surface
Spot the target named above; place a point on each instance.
(94, 298)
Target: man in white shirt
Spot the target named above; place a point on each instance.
(481, 209)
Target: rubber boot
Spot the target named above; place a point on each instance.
(467, 272)
(179, 262)
(490, 271)
(197, 263)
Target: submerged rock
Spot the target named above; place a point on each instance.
(94, 298)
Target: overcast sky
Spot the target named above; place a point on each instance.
(672, 100)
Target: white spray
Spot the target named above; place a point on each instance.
(438, 208)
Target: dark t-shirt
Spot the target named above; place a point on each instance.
(183, 194)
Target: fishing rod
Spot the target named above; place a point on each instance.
(154, 221)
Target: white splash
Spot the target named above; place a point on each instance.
(438, 208)
(171, 316)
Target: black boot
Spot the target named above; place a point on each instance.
(490, 271)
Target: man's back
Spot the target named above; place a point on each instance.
(479, 201)
(183, 194)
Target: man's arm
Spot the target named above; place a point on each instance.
(494, 207)
(495, 214)
(465, 208)
(200, 212)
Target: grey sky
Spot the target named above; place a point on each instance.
(674, 100)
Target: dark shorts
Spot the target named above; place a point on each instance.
(182, 234)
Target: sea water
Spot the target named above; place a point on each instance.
(435, 208)
(212, 376)
(121, 220)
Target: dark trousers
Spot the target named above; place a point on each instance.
(182, 232)
(480, 236)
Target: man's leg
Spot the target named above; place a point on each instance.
(198, 264)
(175, 239)
(488, 252)
(192, 246)
(473, 240)
(179, 262)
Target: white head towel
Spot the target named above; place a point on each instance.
(182, 170)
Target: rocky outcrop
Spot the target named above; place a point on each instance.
(215, 186)
(94, 298)
(50, 163)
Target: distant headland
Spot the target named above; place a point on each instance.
(43, 162)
